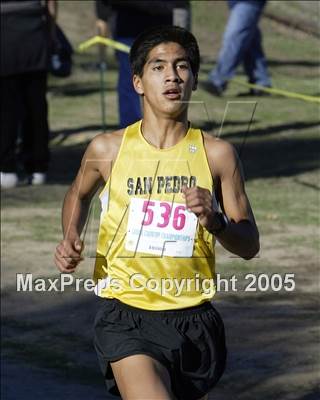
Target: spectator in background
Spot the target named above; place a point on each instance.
(124, 20)
(242, 43)
(26, 27)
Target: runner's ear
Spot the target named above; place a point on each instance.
(195, 83)
(137, 83)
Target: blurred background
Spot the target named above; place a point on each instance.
(273, 336)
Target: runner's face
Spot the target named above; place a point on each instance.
(167, 80)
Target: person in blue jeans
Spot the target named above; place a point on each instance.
(242, 43)
(124, 20)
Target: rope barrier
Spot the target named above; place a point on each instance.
(122, 47)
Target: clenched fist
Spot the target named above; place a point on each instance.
(200, 202)
(68, 254)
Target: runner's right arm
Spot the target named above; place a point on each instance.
(94, 171)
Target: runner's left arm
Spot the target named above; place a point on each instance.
(240, 235)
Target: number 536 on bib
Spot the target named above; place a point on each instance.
(160, 228)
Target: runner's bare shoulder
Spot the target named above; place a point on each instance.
(103, 150)
(220, 153)
(107, 144)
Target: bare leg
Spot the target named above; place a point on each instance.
(141, 377)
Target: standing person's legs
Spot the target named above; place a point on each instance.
(35, 131)
(10, 112)
(128, 99)
(237, 38)
(9, 122)
(142, 377)
(255, 63)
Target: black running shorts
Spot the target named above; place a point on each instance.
(189, 342)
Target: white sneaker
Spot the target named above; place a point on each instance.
(38, 178)
(9, 180)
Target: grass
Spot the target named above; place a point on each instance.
(278, 150)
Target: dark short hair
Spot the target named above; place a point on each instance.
(151, 38)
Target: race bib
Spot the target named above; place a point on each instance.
(160, 228)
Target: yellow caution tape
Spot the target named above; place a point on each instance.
(126, 49)
(279, 91)
(105, 41)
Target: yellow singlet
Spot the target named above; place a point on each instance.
(152, 253)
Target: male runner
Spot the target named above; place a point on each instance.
(157, 335)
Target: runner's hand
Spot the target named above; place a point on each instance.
(68, 254)
(200, 202)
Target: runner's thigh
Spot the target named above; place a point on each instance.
(142, 377)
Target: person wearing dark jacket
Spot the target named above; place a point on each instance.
(25, 33)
